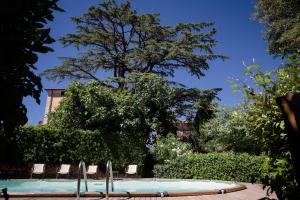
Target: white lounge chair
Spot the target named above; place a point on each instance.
(92, 170)
(64, 169)
(38, 169)
(131, 170)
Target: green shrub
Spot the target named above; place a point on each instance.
(214, 166)
(228, 132)
(169, 148)
(48, 145)
(266, 122)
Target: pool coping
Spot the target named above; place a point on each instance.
(238, 187)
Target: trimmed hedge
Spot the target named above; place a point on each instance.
(213, 166)
(54, 146)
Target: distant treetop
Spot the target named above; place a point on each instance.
(282, 22)
(113, 37)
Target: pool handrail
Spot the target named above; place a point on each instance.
(109, 174)
(81, 165)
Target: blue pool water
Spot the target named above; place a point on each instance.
(119, 185)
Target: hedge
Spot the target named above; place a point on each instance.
(213, 166)
(53, 146)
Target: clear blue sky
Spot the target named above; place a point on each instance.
(238, 37)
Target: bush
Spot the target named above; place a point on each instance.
(169, 148)
(48, 145)
(267, 124)
(215, 166)
(228, 132)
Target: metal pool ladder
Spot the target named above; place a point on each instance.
(109, 174)
(81, 166)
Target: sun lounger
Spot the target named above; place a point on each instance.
(131, 169)
(64, 169)
(38, 169)
(92, 170)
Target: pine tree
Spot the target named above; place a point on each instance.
(113, 37)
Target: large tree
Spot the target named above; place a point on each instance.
(113, 37)
(282, 22)
(23, 35)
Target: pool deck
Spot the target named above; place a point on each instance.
(253, 192)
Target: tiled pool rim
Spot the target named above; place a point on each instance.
(238, 187)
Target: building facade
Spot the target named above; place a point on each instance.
(54, 97)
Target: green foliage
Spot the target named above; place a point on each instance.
(205, 110)
(51, 145)
(228, 132)
(145, 107)
(267, 124)
(169, 148)
(114, 37)
(279, 174)
(146, 103)
(142, 108)
(23, 36)
(282, 21)
(195, 105)
(217, 166)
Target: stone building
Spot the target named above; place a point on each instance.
(184, 130)
(54, 96)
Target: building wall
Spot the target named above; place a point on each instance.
(184, 129)
(54, 96)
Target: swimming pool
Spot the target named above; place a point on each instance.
(132, 187)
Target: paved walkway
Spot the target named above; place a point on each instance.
(253, 192)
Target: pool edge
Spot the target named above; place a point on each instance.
(238, 187)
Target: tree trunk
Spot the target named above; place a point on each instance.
(290, 107)
(121, 74)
